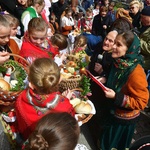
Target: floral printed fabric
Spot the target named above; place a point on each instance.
(123, 66)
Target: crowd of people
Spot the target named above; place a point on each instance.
(116, 42)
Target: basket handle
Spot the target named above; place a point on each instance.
(16, 55)
(77, 89)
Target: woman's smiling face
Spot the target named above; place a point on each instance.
(119, 47)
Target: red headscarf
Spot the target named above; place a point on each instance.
(28, 49)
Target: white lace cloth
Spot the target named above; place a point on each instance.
(81, 147)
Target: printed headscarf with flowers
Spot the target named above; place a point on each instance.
(123, 66)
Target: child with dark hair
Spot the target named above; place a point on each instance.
(54, 131)
(59, 41)
(41, 97)
(54, 23)
(112, 11)
(67, 21)
(104, 3)
(87, 21)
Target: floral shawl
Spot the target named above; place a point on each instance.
(30, 107)
(123, 66)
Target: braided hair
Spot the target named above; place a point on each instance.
(55, 131)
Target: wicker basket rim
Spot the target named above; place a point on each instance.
(87, 118)
(71, 79)
(16, 55)
(9, 94)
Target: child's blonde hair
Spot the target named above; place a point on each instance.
(44, 75)
(13, 21)
(37, 24)
(4, 22)
(33, 2)
(59, 40)
(80, 41)
(89, 10)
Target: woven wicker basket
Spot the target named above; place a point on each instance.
(7, 98)
(70, 83)
(86, 117)
(72, 57)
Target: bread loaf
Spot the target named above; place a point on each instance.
(65, 75)
(83, 108)
(4, 85)
(75, 101)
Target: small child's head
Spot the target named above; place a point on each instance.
(97, 5)
(4, 31)
(89, 12)
(80, 41)
(59, 40)
(22, 2)
(106, 3)
(37, 31)
(14, 23)
(68, 12)
(111, 6)
(103, 11)
(55, 131)
(52, 18)
(37, 4)
(44, 75)
(80, 14)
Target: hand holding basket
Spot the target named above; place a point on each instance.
(7, 98)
